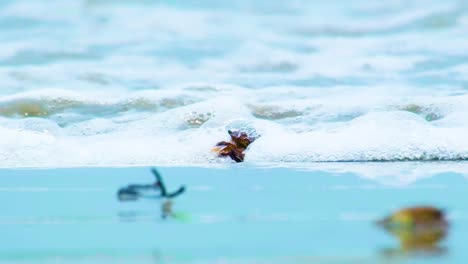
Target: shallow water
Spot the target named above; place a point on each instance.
(240, 215)
(160, 83)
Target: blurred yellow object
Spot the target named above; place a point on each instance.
(417, 227)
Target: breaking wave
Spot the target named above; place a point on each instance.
(118, 83)
(180, 126)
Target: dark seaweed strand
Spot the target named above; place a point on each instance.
(159, 182)
(176, 193)
(140, 186)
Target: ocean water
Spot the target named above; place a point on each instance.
(361, 108)
(125, 83)
(240, 215)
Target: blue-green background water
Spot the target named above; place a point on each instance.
(240, 215)
(335, 80)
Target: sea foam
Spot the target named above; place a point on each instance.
(118, 83)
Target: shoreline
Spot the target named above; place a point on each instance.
(389, 173)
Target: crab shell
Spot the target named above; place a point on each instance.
(241, 139)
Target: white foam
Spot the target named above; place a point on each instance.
(336, 127)
(153, 84)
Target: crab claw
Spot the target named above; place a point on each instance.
(224, 148)
(217, 149)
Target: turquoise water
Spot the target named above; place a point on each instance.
(240, 215)
(335, 80)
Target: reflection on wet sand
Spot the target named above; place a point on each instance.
(166, 209)
(419, 230)
(167, 212)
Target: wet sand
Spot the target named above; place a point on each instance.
(236, 215)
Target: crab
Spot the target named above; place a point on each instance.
(236, 147)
